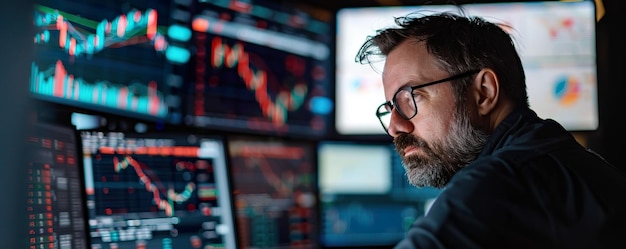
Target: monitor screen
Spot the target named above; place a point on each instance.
(56, 205)
(113, 57)
(160, 190)
(556, 41)
(275, 192)
(365, 198)
(260, 66)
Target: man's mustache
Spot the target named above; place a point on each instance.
(404, 140)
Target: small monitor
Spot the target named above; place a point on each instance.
(56, 205)
(275, 188)
(365, 198)
(157, 190)
(555, 39)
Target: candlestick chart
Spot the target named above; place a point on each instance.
(101, 57)
(254, 71)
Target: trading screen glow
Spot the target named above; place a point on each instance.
(55, 197)
(260, 67)
(164, 191)
(365, 198)
(122, 59)
(275, 193)
(235, 65)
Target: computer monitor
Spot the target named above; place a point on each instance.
(365, 198)
(261, 67)
(275, 192)
(112, 57)
(556, 41)
(56, 204)
(157, 190)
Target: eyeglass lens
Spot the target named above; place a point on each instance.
(404, 103)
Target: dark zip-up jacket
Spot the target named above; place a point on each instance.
(532, 186)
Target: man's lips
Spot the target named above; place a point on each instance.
(410, 150)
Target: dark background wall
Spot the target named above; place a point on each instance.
(15, 56)
(609, 139)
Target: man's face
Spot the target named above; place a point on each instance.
(439, 140)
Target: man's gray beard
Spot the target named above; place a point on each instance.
(442, 158)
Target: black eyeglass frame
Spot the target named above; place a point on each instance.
(389, 105)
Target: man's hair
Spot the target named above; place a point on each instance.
(460, 43)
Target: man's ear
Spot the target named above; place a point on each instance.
(486, 90)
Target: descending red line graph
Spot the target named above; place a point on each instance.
(236, 57)
(283, 168)
(283, 185)
(283, 180)
(273, 183)
(165, 204)
(274, 104)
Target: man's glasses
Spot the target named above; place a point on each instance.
(404, 102)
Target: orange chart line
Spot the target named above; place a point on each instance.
(163, 204)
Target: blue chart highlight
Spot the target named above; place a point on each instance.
(567, 90)
(57, 82)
